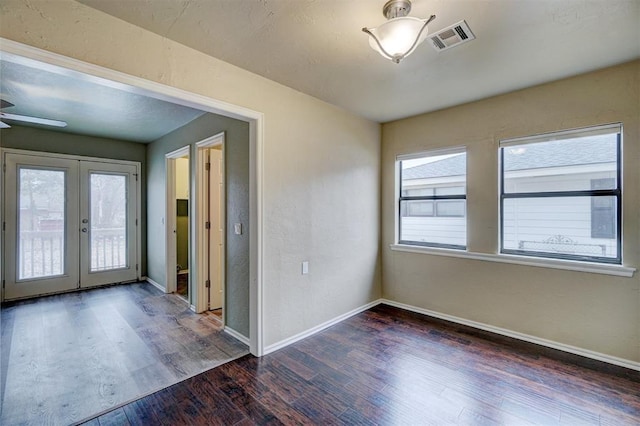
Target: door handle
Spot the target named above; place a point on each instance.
(84, 229)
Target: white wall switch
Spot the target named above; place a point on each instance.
(305, 267)
(237, 227)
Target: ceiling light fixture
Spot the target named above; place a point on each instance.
(401, 34)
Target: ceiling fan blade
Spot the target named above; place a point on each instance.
(35, 120)
(5, 104)
(4, 125)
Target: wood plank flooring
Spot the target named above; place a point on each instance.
(388, 366)
(67, 357)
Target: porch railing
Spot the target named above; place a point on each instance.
(108, 249)
(565, 245)
(41, 253)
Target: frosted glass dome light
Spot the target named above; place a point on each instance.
(401, 34)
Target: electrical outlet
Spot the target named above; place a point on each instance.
(305, 267)
(237, 227)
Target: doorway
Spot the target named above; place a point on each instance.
(178, 175)
(210, 224)
(199, 279)
(254, 306)
(182, 226)
(71, 223)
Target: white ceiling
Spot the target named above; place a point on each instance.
(317, 46)
(89, 105)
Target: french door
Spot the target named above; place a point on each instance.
(69, 224)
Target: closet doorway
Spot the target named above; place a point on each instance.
(178, 223)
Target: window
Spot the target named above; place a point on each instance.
(561, 195)
(432, 203)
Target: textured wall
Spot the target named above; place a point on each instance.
(35, 139)
(595, 312)
(321, 164)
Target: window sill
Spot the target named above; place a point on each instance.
(568, 265)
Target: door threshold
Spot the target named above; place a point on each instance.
(75, 290)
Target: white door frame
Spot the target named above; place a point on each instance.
(69, 277)
(131, 174)
(42, 154)
(22, 53)
(200, 243)
(170, 216)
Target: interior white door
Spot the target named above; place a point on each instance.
(107, 223)
(69, 224)
(41, 233)
(216, 243)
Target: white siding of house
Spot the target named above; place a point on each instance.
(534, 220)
(439, 230)
(572, 179)
(436, 230)
(528, 220)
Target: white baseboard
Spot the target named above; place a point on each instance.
(520, 336)
(155, 284)
(241, 337)
(286, 342)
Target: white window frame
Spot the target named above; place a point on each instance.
(617, 192)
(617, 270)
(398, 198)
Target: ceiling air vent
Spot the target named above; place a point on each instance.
(452, 36)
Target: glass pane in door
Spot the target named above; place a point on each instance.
(41, 223)
(108, 210)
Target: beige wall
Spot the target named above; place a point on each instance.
(182, 178)
(321, 164)
(596, 312)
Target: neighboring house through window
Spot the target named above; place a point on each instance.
(561, 195)
(603, 211)
(432, 201)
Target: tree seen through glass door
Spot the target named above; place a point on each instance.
(108, 221)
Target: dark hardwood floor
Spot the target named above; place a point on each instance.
(67, 357)
(389, 366)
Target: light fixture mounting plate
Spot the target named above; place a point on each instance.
(396, 8)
